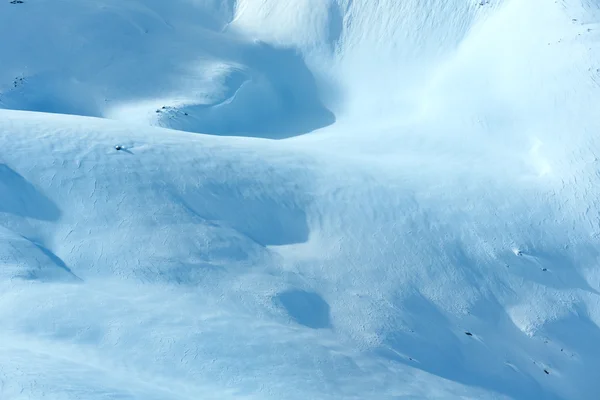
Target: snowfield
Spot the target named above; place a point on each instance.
(313, 199)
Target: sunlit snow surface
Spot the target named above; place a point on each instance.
(357, 199)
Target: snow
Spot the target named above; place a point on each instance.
(313, 199)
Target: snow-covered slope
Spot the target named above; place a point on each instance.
(428, 228)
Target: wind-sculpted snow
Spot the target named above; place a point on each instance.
(427, 226)
(171, 65)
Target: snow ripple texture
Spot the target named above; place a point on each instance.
(299, 199)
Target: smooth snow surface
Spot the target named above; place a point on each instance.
(355, 199)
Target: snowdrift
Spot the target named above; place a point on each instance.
(426, 224)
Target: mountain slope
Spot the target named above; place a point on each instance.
(427, 228)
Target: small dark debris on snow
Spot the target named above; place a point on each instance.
(117, 147)
(546, 371)
(185, 114)
(17, 2)
(18, 81)
(544, 269)
(468, 334)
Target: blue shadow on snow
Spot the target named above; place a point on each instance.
(21, 198)
(305, 308)
(275, 96)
